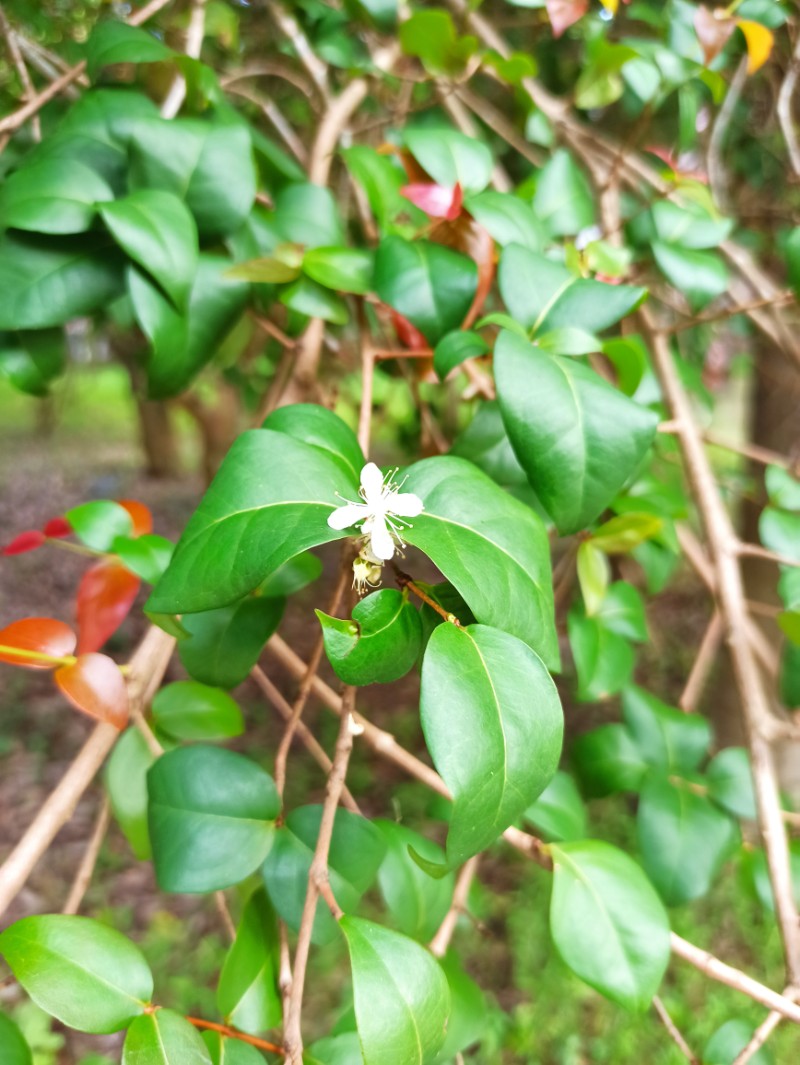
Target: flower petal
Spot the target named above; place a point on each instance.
(404, 504)
(381, 542)
(344, 517)
(372, 483)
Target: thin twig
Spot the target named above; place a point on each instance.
(234, 1033)
(193, 43)
(701, 667)
(764, 1031)
(441, 941)
(28, 89)
(781, 298)
(674, 1031)
(225, 915)
(757, 551)
(85, 871)
(717, 172)
(784, 108)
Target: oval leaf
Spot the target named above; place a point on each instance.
(380, 644)
(191, 711)
(223, 645)
(53, 196)
(95, 686)
(164, 1038)
(247, 994)
(106, 593)
(44, 635)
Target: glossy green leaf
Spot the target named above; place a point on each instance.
(224, 1050)
(622, 612)
(607, 760)
(594, 573)
(567, 340)
(756, 865)
(356, 852)
(780, 532)
(319, 427)
(493, 725)
(158, 232)
(147, 556)
(402, 1000)
(189, 710)
(86, 975)
(455, 348)
(427, 283)
(667, 738)
(507, 219)
(782, 488)
(223, 645)
(115, 42)
(578, 439)
(700, 275)
(293, 575)
(270, 500)
(183, 343)
(792, 251)
(32, 359)
(492, 548)
(683, 839)
(563, 201)
(381, 178)
(416, 901)
(15, 1048)
(315, 301)
(730, 782)
(282, 265)
(621, 534)
(469, 1011)
(210, 818)
(52, 197)
(450, 158)
(342, 269)
(603, 659)
(607, 922)
(164, 1038)
(689, 225)
(630, 359)
(380, 644)
(432, 37)
(307, 214)
(559, 811)
(247, 994)
(729, 1041)
(126, 783)
(46, 282)
(97, 524)
(209, 165)
(485, 443)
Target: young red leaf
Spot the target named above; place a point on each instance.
(105, 596)
(45, 635)
(140, 515)
(408, 334)
(57, 528)
(438, 201)
(26, 541)
(95, 686)
(713, 28)
(563, 13)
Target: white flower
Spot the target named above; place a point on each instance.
(382, 513)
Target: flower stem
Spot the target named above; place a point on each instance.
(37, 656)
(404, 581)
(232, 1033)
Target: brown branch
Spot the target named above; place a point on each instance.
(85, 871)
(225, 915)
(234, 1033)
(757, 551)
(193, 43)
(764, 1031)
(28, 89)
(781, 298)
(441, 941)
(783, 108)
(704, 660)
(287, 24)
(674, 1031)
(404, 581)
(717, 174)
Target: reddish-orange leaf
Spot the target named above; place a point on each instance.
(95, 686)
(57, 528)
(105, 597)
(438, 201)
(563, 13)
(407, 333)
(140, 515)
(43, 635)
(464, 235)
(26, 541)
(713, 28)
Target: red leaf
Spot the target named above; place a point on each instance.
(105, 597)
(140, 514)
(713, 28)
(95, 686)
(26, 541)
(437, 201)
(57, 528)
(563, 13)
(46, 635)
(408, 334)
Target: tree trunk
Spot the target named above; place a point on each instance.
(158, 438)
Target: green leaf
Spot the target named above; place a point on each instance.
(356, 852)
(98, 524)
(700, 275)
(31, 359)
(402, 1000)
(432, 37)
(667, 738)
(228, 1051)
(282, 265)
(792, 252)
(594, 574)
(417, 902)
(115, 42)
(567, 340)
(224, 644)
(147, 556)
(620, 535)
(730, 782)
(269, 501)
(163, 1038)
(469, 1012)
(493, 725)
(559, 811)
(782, 488)
(313, 424)
(789, 624)
(342, 1049)
(607, 922)
(52, 197)
(381, 178)
(126, 783)
(451, 158)
(603, 660)
(780, 532)
(315, 301)
(308, 215)
(485, 443)
(607, 761)
(578, 439)
(563, 201)
(622, 612)
(756, 864)
(507, 219)
(247, 994)
(427, 283)
(342, 269)
(729, 1041)
(188, 710)
(209, 165)
(544, 295)
(455, 348)
(630, 359)
(210, 816)
(16, 1051)
(293, 575)
(46, 282)
(683, 838)
(380, 644)
(483, 540)
(688, 225)
(158, 232)
(183, 344)
(84, 974)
